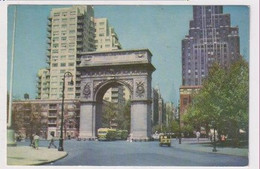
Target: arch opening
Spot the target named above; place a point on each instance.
(113, 106)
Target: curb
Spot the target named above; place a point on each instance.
(48, 162)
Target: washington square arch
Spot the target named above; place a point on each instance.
(103, 70)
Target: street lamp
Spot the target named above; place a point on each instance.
(66, 74)
(214, 137)
(179, 120)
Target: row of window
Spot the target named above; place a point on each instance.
(72, 13)
(64, 20)
(64, 32)
(64, 45)
(71, 50)
(54, 57)
(69, 89)
(63, 64)
(64, 38)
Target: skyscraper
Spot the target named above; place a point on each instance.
(71, 30)
(211, 39)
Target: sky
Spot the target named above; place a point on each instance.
(158, 28)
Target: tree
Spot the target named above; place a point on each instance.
(224, 99)
(110, 114)
(28, 118)
(124, 116)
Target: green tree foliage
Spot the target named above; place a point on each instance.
(224, 99)
(124, 116)
(119, 114)
(110, 114)
(28, 118)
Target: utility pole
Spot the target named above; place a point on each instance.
(10, 132)
(179, 120)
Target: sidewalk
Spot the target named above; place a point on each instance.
(25, 155)
(206, 146)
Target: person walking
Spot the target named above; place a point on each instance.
(51, 141)
(36, 141)
(198, 135)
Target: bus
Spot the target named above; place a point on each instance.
(111, 134)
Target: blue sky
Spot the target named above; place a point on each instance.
(158, 28)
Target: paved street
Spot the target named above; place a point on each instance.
(122, 153)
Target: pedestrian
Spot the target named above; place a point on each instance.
(131, 137)
(32, 141)
(51, 140)
(210, 136)
(198, 135)
(36, 141)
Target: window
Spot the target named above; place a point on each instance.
(55, 26)
(55, 45)
(57, 14)
(71, 31)
(101, 23)
(72, 19)
(63, 33)
(101, 34)
(70, 89)
(72, 38)
(73, 13)
(63, 50)
(56, 20)
(185, 101)
(55, 51)
(64, 20)
(55, 65)
(71, 50)
(54, 58)
(55, 39)
(62, 64)
(63, 38)
(62, 71)
(64, 13)
(55, 33)
(62, 57)
(64, 45)
(71, 64)
(71, 45)
(71, 56)
(63, 26)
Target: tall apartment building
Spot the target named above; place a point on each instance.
(106, 37)
(72, 30)
(211, 39)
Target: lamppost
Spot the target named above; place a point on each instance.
(66, 74)
(179, 120)
(10, 132)
(214, 137)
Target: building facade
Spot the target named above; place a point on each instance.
(49, 112)
(186, 94)
(211, 39)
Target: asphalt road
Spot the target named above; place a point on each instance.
(122, 153)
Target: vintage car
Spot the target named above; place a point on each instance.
(165, 140)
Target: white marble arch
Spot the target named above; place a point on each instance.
(102, 70)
